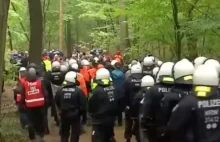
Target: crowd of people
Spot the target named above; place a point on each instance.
(162, 101)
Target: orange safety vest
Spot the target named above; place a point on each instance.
(33, 94)
(84, 72)
(82, 83)
(92, 72)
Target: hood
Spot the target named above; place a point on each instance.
(117, 74)
(103, 82)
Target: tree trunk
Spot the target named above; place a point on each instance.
(36, 31)
(69, 38)
(191, 40)
(4, 6)
(176, 29)
(10, 39)
(61, 25)
(124, 35)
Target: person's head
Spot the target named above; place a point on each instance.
(70, 77)
(102, 73)
(56, 64)
(147, 81)
(164, 74)
(205, 80)
(136, 69)
(22, 72)
(85, 62)
(74, 67)
(182, 72)
(199, 61)
(63, 68)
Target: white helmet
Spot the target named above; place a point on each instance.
(133, 62)
(66, 63)
(213, 63)
(199, 61)
(159, 63)
(148, 61)
(113, 62)
(71, 77)
(155, 71)
(85, 62)
(102, 73)
(96, 59)
(63, 68)
(165, 72)
(22, 69)
(75, 66)
(166, 69)
(129, 66)
(56, 64)
(136, 69)
(183, 71)
(72, 61)
(147, 81)
(206, 75)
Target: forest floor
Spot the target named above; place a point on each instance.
(8, 105)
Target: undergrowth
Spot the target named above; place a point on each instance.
(10, 129)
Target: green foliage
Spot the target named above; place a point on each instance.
(150, 24)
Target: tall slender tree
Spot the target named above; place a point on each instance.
(36, 31)
(4, 7)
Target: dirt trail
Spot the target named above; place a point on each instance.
(54, 134)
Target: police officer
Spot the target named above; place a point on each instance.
(132, 87)
(146, 82)
(128, 72)
(199, 111)
(56, 78)
(118, 79)
(71, 103)
(33, 99)
(152, 103)
(82, 85)
(182, 74)
(17, 96)
(103, 107)
(148, 65)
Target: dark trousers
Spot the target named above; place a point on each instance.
(102, 133)
(54, 112)
(70, 124)
(23, 117)
(131, 127)
(47, 131)
(119, 118)
(36, 122)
